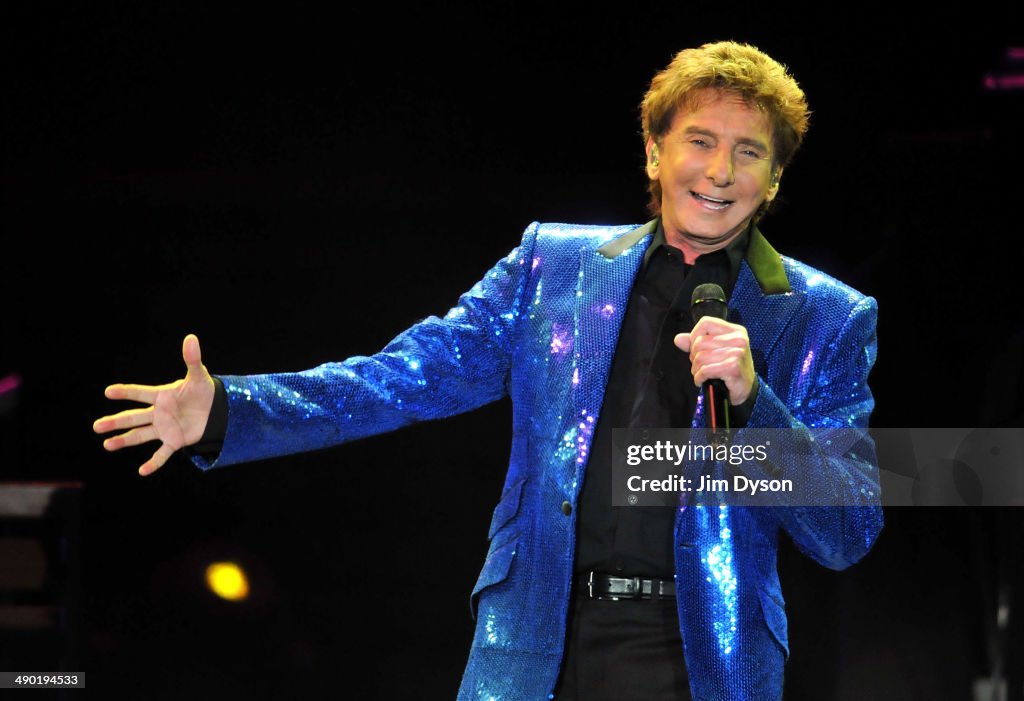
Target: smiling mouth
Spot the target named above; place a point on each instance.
(710, 202)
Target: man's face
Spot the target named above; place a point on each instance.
(715, 169)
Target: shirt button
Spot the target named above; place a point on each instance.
(566, 508)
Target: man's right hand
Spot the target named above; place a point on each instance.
(176, 415)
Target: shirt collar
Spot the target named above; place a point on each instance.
(736, 250)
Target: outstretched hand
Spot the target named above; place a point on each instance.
(176, 417)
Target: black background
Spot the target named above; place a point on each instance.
(296, 185)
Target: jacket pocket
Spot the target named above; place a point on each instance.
(506, 508)
(775, 618)
(495, 570)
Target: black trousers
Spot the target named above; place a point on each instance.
(623, 650)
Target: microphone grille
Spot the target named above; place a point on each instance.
(708, 300)
(708, 292)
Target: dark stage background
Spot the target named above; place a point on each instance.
(297, 185)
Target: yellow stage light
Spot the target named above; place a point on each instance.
(227, 580)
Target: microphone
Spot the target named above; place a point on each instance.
(709, 300)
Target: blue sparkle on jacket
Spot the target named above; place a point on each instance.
(541, 326)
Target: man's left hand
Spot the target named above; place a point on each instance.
(720, 350)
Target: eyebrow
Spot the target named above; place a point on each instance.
(749, 142)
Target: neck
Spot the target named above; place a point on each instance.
(693, 247)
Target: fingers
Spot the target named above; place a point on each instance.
(726, 367)
(126, 419)
(734, 338)
(738, 377)
(709, 348)
(711, 329)
(133, 437)
(160, 457)
(136, 393)
(190, 352)
(713, 325)
(140, 422)
(715, 356)
(719, 350)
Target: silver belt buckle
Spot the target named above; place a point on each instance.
(590, 590)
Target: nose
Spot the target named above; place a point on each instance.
(720, 168)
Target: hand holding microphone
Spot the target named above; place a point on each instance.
(719, 354)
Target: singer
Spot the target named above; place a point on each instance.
(590, 328)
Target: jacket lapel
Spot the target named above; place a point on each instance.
(602, 292)
(763, 300)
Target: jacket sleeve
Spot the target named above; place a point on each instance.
(438, 367)
(835, 514)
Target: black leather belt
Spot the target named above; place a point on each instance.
(596, 585)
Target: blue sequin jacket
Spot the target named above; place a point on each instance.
(541, 326)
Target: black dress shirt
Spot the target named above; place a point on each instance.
(649, 386)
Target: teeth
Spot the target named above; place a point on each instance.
(712, 199)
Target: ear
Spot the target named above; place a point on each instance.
(773, 184)
(653, 163)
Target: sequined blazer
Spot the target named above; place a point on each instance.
(541, 326)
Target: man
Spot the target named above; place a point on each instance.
(583, 327)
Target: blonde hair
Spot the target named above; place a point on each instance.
(731, 68)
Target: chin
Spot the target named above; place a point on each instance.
(713, 236)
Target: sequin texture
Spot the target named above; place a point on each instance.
(541, 326)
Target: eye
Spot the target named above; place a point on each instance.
(700, 143)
